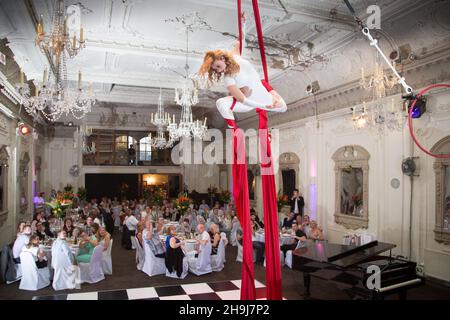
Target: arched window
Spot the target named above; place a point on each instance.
(145, 149)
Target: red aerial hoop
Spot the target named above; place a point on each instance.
(411, 129)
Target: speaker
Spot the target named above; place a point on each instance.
(312, 87)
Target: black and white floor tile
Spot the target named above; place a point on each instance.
(226, 290)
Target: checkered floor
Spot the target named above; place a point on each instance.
(227, 290)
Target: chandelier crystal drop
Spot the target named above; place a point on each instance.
(160, 118)
(58, 41)
(378, 82)
(53, 100)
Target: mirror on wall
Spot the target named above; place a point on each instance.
(442, 186)
(352, 191)
(351, 186)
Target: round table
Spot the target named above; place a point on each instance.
(285, 238)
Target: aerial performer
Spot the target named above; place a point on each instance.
(247, 91)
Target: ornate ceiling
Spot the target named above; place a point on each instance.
(134, 47)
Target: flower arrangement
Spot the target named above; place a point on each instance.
(182, 203)
(282, 200)
(154, 194)
(59, 205)
(68, 193)
(224, 196)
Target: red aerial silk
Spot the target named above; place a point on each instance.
(240, 193)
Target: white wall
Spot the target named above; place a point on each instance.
(60, 156)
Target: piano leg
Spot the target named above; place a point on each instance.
(307, 284)
(402, 295)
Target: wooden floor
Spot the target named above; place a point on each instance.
(126, 276)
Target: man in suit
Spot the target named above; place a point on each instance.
(297, 204)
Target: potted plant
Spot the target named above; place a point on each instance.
(282, 200)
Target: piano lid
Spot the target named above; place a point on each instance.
(339, 254)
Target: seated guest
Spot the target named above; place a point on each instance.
(316, 232)
(200, 220)
(38, 254)
(21, 241)
(167, 215)
(257, 245)
(40, 217)
(203, 206)
(299, 236)
(20, 228)
(151, 236)
(61, 244)
(40, 231)
(140, 228)
(254, 217)
(104, 238)
(185, 228)
(68, 227)
(306, 226)
(174, 253)
(204, 237)
(214, 233)
(287, 222)
(214, 216)
(87, 245)
(76, 235)
(88, 226)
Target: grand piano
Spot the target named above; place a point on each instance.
(347, 267)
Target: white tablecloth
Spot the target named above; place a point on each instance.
(284, 238)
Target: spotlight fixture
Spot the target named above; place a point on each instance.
(419, 108)
(24, 130)
(313, 87)
(70, 124)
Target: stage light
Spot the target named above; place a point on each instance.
(24, 130)
(419, 108)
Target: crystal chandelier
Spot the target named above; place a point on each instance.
(54, 100)
(160, 118)
(160, 142)
(378, 82)
(186, 97)
(58, 41)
